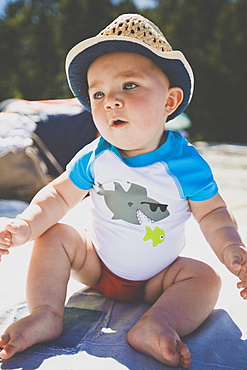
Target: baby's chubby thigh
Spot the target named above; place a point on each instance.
(85, 263)
(183, 270)
(68, 251)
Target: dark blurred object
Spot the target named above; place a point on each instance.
(23, 172)
(63, 125)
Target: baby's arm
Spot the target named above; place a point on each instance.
(48, 206)
(220, 230)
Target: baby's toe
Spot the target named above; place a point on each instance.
(4, 339)
(185, 354)
(11, 345)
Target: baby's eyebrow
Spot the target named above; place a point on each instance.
(124, 74)
(93, 84)
(131, 74)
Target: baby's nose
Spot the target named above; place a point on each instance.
(113, 103)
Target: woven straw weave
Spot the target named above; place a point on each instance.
(134, 25)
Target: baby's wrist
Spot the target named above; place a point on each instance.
(230, 249)
(19, 217)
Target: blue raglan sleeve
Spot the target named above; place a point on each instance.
(193, 175)
(80, 168)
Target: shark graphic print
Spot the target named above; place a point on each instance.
(139, 205)
(134, 206)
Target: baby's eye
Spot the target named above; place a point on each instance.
(129, 86)
(98, 95)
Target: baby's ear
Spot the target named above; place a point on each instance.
(175, 97)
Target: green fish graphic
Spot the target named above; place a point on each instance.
(157, 235)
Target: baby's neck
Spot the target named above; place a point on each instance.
(134, 153)
(163, 138)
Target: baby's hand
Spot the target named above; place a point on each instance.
(13, 232)
(235, 259)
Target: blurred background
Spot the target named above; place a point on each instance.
(35, 36)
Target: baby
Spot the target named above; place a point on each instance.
(144, 182)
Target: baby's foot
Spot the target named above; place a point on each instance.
(160, 341)
(42, 325)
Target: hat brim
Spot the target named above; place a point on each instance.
(172, 63)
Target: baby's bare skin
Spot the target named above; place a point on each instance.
(184, 293)
(42, 325)
(160, 336)
(187, 284)
(157, 339)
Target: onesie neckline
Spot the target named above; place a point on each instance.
(157, 155)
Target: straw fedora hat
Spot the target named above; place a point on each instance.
(129, 33)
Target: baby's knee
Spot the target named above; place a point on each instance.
(210, 277)
(203, 274)
(55, 232)
(60, 234)
(64, 240)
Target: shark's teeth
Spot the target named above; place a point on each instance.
(141, 217)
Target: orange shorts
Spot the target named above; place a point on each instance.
(115, 287)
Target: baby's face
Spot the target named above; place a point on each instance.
(128, 95)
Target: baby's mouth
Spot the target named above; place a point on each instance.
(118, 122)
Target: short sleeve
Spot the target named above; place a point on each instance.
(80, 168)
(191, 172)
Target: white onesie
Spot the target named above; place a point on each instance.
(140, 204)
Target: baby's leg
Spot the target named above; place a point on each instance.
(184, 294)
(57, 252)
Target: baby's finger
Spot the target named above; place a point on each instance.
(6, 242)
(242, 284)
(12, 227)
(243, 293)
(243, 273)
(4, 252)
(235, 265)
